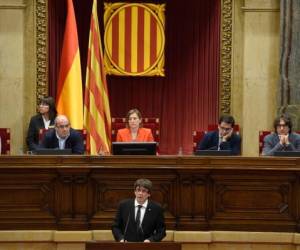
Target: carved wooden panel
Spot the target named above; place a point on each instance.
(197, 193)
(193, 200)
(260, 198)
(72, 199)
(26, 198)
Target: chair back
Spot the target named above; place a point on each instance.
(82, 132)
(5, 141)
(261, 136)
(151, 123)
(197, 137)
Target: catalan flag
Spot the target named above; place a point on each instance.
(69, 100)
(97, 120)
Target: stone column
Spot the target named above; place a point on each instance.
(17, 69)
(12, 69)
(289, 84)
(255, 68)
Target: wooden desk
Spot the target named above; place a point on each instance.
(198, 193)
(132, 246)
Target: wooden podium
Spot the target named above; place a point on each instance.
(132, 246)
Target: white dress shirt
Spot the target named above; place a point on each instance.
(61, 141)
(46, 123)
(143, 209)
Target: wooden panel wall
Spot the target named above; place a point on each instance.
(82, 192)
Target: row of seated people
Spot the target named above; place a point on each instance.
(221, 138)
(47, 116)
(225, 136)
(64, 134)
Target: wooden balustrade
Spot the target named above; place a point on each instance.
(197, 193)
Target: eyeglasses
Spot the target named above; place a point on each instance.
(225, 129)
(281, 125)
(63, 126)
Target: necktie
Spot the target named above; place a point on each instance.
(138, 217)
(139, 229)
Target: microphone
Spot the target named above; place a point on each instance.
(126, 226)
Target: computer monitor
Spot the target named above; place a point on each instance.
(287, 153)
(53, 151)
(134, 148)
(213, 152)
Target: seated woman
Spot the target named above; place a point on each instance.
(134, 132)
(43, 120)
(283, 139)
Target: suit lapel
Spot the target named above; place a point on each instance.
(216, 139)
(140, 135)
(55, 141)
(52, 122)
(147, 215)
(41, 122)
(276, 139)
(132, 211)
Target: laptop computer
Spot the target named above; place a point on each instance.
(287, 153)
(53, 151)
(134, 148)
(213, 152)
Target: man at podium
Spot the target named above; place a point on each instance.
(139, 219)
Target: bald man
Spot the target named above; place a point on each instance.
(63, 136)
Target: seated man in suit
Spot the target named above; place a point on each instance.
(139, 219)
(283, 139)
(222, 139)
(63, 136)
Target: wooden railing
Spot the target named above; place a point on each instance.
(197, 193)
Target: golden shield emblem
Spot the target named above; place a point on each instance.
(134, 39)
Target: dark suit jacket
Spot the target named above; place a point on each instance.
(36, 123)
(211, 139)
(74, 141)
(153, 225)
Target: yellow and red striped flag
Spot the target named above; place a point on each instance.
(69, 99)
(134, 38)
(97, 120)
